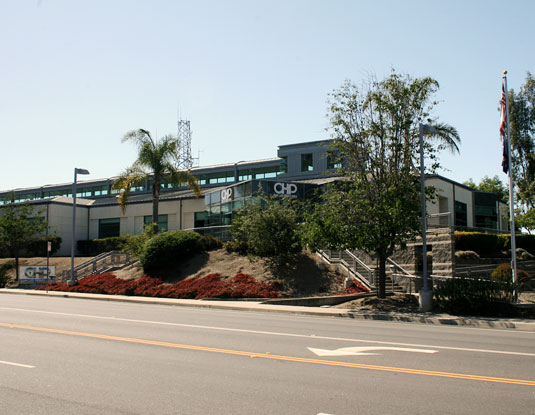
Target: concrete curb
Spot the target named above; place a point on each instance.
(421, 318)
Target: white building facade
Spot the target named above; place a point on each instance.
(98, 214)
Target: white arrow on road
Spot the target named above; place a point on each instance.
(3, 362)
(363, 351)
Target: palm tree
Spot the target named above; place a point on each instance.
(155, 160)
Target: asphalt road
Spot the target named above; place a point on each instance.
(73, 356)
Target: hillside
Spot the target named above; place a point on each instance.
(299, 278)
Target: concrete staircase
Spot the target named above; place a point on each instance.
(349, 263)
(105, 262)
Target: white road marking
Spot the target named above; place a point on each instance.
(363, 351)
(16, 364)
(271, 333)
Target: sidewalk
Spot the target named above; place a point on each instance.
(422, 318)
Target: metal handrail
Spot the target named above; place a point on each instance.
(404, 274)
(485, 268)
(94, 259)
(336, 256)
(95, 264)
(370, 272)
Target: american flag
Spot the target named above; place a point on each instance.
(503, 132)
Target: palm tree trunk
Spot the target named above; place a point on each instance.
(155, 203)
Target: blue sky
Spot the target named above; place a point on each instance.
(249, 75)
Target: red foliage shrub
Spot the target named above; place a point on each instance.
(356, 288)
(209, 286)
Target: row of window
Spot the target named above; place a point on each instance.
(80, 192)
(333, 161)
(204, 179)
(484, 216)
(112, 226)
(307, 165)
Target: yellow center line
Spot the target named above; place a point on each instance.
(277, 357)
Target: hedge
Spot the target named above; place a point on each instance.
(168, 247)
(36, 247)
(465, 296)
(209, 286)
(504, 273)
(482, 243)
(524, 241)
(486, 244)
(95, 247)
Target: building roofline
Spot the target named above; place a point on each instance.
(438, 176)
(306, 143)
(194, 170)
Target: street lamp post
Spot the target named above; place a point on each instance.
(426, 294)
(77, 171)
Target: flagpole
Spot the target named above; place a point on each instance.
(511, 193)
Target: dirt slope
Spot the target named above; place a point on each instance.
(301, 277)
(61, 263)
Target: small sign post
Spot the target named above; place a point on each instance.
(48, 250)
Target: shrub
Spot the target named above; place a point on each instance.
(4, 268)
(95, 247)
(488, 244)
(269, 225)
(523, 255)
(209, 286)
(240, 247)
(356, 288)
(135, 244)
(37, 247)
(504, 273)
(466, 255)
(209, 243)
(523, 241)
(168, 247)
(466, 296)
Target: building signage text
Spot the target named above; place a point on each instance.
(285, 189)
(226, 195)
(37, 273)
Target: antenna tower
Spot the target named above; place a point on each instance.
(185, 159)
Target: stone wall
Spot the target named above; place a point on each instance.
(440, 258)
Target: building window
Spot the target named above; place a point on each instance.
(307, 163)
(485, 210)
(109, 227)
(245, 175)
(162, 222)
(333, 160)
(218, 178)
(201, 218)
(57, 193)
(461, 216)
(284, 165)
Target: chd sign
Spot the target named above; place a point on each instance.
(37, 273)
(285, 189)
(226, 195)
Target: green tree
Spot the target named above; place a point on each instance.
(156, 161)
(269, 225)
(491, 185)
(19, 225)
(522, 123)
(526, 220)
(376, 131)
